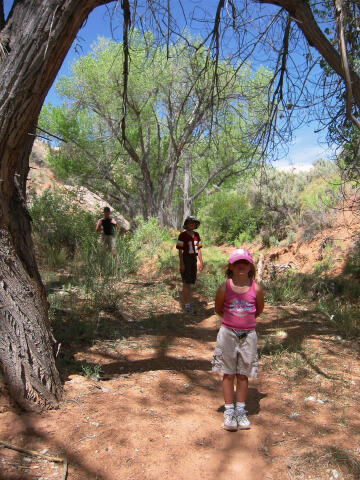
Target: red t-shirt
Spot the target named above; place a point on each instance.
(188, 244)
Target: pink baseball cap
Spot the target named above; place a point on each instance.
(240, 254)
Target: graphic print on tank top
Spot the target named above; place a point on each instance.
(240, 308)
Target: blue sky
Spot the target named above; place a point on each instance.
(303, 151)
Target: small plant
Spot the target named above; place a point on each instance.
(290, 237)
(92, 371)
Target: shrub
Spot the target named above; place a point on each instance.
(100, 273)
(59, 225)
(168, 257)
(344, 315)
(214, 274)
(289, 287)
(149, 235)
(229, 216)
(352, 265)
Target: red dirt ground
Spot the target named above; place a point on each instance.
(157, 411)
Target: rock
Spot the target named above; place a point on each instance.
(309, 399)
(334, 474)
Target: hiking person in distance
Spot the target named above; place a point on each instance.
(106, 226)
(189, 246)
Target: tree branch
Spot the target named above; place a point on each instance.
(339, 15)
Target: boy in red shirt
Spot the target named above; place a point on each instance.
(189, 246)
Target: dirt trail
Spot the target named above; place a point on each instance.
(157, 411)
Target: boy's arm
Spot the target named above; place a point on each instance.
(219, 300)
(98, 225)
(259, 299)
(181, 258)
(113, 221)
(201, 263)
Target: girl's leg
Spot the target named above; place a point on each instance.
(228, 388)
(242, 383)
(241, 393)
(230, 422)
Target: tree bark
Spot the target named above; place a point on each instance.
(36, 36)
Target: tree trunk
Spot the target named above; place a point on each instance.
(186, 196)
(37, 36)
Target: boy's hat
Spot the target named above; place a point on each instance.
(191, 219)
(240, 254)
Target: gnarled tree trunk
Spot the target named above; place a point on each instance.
(35, 38)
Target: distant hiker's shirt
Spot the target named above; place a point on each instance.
(108, 227)
(188, 244)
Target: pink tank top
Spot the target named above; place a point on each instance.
(239, 308)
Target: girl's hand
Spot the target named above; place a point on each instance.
(201, 266)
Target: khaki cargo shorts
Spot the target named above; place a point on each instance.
(108, 240)
(235, 355)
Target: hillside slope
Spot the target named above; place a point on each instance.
(41, 178)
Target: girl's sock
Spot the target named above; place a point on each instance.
(229, 406)
(240, 405)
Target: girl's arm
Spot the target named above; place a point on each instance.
(259, 299)
(219, 300)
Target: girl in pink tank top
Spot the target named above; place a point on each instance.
(238, 302)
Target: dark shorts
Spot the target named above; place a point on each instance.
(189, 275)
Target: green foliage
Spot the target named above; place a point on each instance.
(92, 371)
(101, 274)
(177, 79)
(229, 218)
(168, 257)
(289, 200)
(289, 287)
(59, 226)
(352, 265)
(149, 235)
(323, 267)
(214, 273)
(343, 314)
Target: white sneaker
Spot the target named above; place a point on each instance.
(230, 422)
(241, 419)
